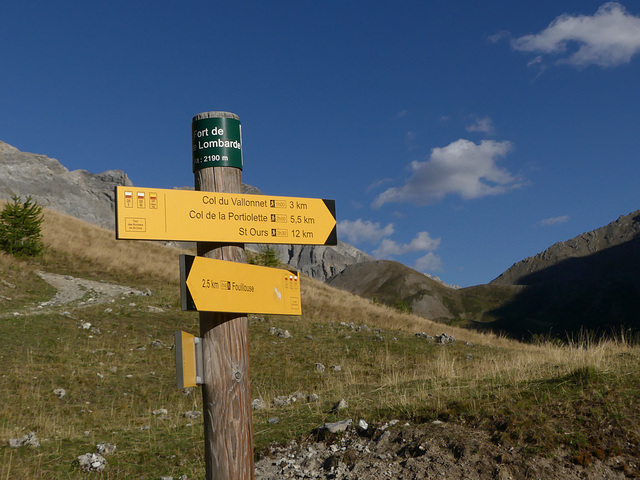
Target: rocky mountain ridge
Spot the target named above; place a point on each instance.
(90, 197)
(532, 269)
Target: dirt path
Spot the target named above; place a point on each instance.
(76, 292)
(71, 289)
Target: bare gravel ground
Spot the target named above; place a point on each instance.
(430, 451)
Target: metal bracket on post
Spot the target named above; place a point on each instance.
(199, 360)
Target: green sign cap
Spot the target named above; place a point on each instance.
(216, 142)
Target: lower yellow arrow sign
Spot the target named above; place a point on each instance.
(209, 285)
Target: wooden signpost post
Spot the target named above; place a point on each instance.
(217, 283)
(226, 389)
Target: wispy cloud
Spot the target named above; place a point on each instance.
(363, 231)
(608, 38)
(553, 220)
(483, 125)
(428, 263)
(421, 243)
(378, 183)
(462, 168)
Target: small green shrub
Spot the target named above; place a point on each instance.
(20, 228)
(268, 256)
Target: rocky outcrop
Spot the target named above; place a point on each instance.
(321, 263)
(84, 195)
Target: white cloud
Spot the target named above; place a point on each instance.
(428, 263)
(462, 167)
(608, 38)
(363, 231)
(553, 220)
(484, 125)
(422, 242)
(377, 183)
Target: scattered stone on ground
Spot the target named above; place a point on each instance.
(92, 462)
(318, 367)
(257, 404)
(60, 392)
(193, 414)
(337, 427)
(30, 440)
(106, 448)
(445, 339)
(283, 400)
(279, 332)
(161, 413)
(341, 405)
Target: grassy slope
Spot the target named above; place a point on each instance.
(582, 398)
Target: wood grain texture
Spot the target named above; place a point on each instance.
(226, 390)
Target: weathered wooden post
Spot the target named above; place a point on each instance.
(226, 392)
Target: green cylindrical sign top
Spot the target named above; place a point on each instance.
(216, 140)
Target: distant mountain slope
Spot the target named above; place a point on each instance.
(591, 281)
(395, 284)
(400, 286)
(90, 197)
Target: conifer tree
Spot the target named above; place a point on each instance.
(20, 228)
(268, 256)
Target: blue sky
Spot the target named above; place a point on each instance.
(455, 137)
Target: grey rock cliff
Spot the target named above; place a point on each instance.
(84, 195)
(320, 262)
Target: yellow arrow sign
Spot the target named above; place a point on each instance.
(217, 286)
(193, 216)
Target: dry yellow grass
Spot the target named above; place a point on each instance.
(101, 252)
(78, 241)
(327, 304)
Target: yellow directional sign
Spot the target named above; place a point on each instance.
(194, 216)
(217, 286)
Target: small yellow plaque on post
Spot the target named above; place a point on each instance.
(189, 362)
